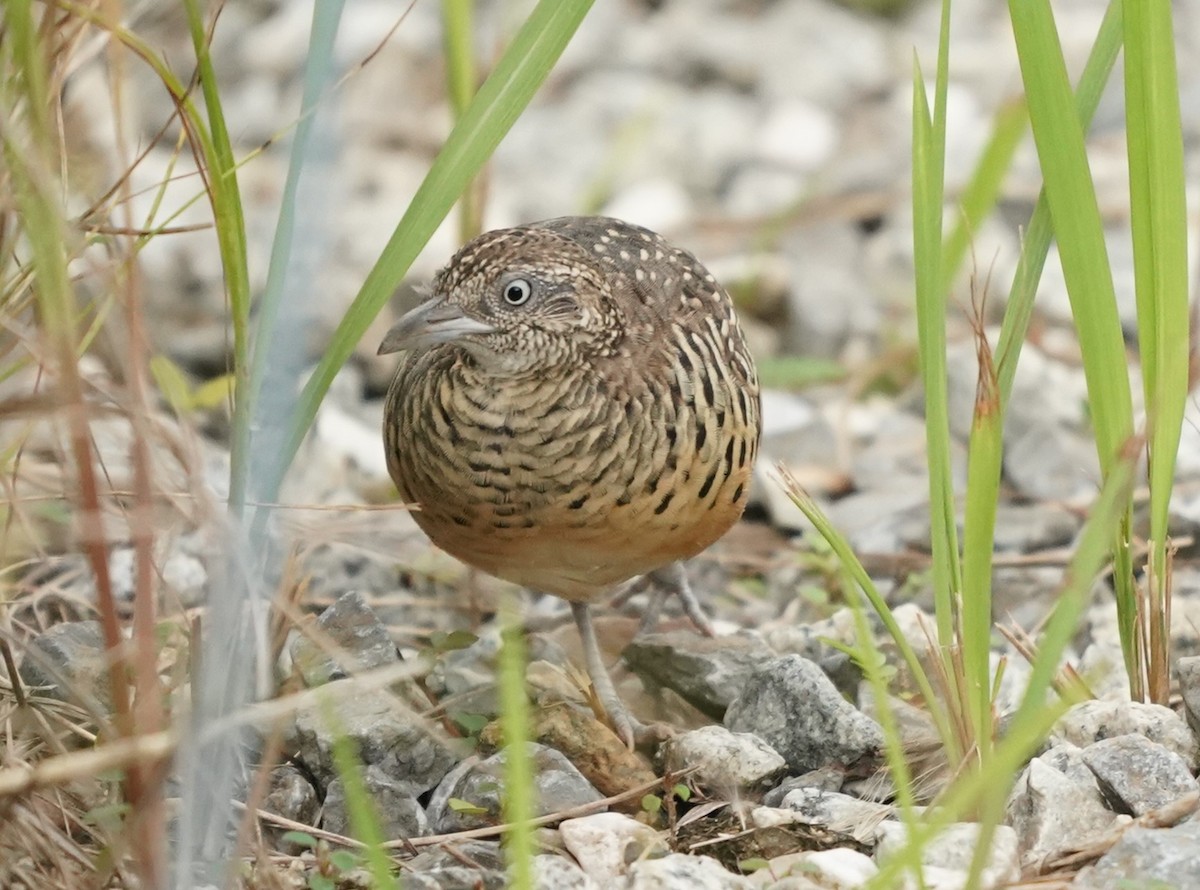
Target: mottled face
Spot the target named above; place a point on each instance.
(516, 300)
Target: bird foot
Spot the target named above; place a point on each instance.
(629, 729)
(635, 734)
(672, 580)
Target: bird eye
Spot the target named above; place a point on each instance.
(517, 292)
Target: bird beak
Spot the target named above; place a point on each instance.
(435, 321)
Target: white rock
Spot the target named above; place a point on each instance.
(601, 843)
(724, 761)
(799, 135)
(837, 869)
(679, 870)
(838, 812)
(551, 872)
(771, 817)
(758, 190)
(660, 204)
(947, 858)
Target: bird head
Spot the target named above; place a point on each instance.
(517, 301)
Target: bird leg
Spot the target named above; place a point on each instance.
(670, 580)
(628, 728)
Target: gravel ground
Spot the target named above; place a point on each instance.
(771, 139)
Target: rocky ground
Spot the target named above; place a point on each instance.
(771, 138)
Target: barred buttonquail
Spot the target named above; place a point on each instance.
(577, 408)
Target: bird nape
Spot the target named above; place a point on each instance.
(577, 407)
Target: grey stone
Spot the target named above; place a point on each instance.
(825, 779)
(1150, 858)
(1185, 612)
(469, 674)
(795, 430)
(1068, 760)
(885, 520)
(1056, 807)
(724, 761)
(1025, 528)
(831, 304)
(558, 784)
(361, 639)
(678, 870)
(439, 800)
(1188, 671)
(795, 708)
(455, 877)
(399, 813)
(335, 568)
(817, 641)
(1047, 462)
(182, 577)
(289, 794)
(70, 663)
(1102, 666)
(707, 672)
(1091, 721)
(384, 735)
(1048, 452)
(438, 869)
(1137, 774)
(1025, 594)
(812, 639)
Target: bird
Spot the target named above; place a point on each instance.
(577, 408)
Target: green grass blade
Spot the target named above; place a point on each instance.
(458, 42)
(360, 809)
(317, 73)
(1077, 225)
(230, 228)
(1158, 215)
(847, 559)
(984, 460)
(987, 789)
(929, 151)
(1080, 234)
(495, 108)
(1038, 234)
(460, 53)
(518, 766)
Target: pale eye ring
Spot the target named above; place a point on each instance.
(517, 292)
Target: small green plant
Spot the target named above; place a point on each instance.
(465, 807)
(331, 866)
(750, 866)
(184, 397)
(472, 724)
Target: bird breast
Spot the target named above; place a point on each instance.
(572, 482)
